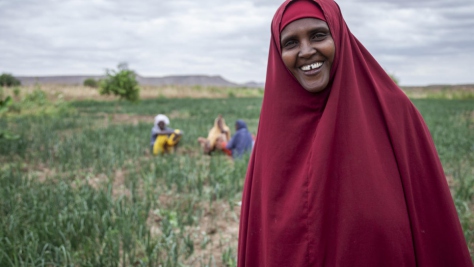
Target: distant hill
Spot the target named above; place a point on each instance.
(204, 80)
(254, 85)
(186, 80)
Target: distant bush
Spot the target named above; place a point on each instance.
(4, 103)
(35, 103)
(36, 98)
(121, 83)
(90, 82)
(16, 91)
(8, 80)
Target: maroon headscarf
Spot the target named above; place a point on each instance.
(345, 177)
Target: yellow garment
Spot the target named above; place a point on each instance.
(215, 133)
(164, 143)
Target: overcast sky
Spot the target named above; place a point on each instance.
(421, 42)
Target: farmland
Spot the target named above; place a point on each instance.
(80, 188)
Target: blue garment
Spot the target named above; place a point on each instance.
(242, 141)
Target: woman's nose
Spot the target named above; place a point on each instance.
(306, 49)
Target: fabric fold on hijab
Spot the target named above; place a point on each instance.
(354, 180)
(300, 10)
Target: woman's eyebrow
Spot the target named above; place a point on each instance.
(312, 29)
(287, 37)
(284, 38)
(319, 28)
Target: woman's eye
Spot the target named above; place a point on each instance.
(319, 36)
(289, 43)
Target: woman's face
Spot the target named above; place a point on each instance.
(307, 50)
(161, 125)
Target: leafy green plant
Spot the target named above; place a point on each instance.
(8, 80)
(37, 97)
(121, 83)
(16, 91)
(229, 258)
(4, 105)
(81, 191)
(91, 82)
(35, 103)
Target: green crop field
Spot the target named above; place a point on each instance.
(80, 188)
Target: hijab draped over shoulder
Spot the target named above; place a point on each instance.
(355, 180)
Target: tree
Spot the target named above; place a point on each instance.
(8, 80)
(121, 83)
(90, 82)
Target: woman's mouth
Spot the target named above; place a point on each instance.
(311, 66)
(312, 69)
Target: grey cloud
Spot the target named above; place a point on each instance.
(229, 38)
(420, 3)
(270, 3)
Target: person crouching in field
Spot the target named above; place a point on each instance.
(218, 136)
(242, 141)
(163, 138)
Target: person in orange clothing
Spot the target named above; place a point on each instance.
(218, 136)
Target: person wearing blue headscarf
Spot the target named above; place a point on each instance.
(242, 141)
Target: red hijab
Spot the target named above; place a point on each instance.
(346, 177)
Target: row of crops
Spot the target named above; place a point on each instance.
(80, 188)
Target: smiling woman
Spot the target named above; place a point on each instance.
(307, 48)
(354, 179)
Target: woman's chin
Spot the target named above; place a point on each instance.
(314, 88)
(314, 85)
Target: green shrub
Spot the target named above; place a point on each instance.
(8, 80)
(4, 103)
(91, 82)
(38, 97)
(121, 83)
(35, 103)
(16, 91)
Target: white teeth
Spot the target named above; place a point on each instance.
(312, 66)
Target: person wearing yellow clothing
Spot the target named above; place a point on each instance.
(164, 139)
(218, 135)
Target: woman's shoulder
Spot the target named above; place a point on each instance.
(395, 98)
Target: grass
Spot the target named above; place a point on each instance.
(79, 92)
(458, 92)
(80, 188)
